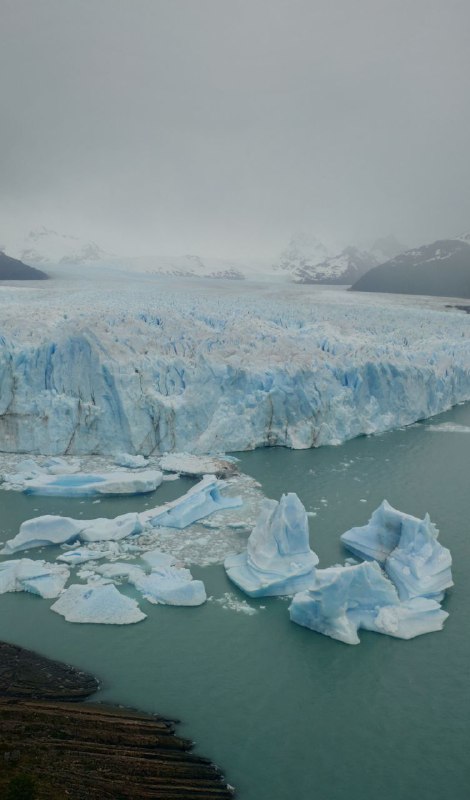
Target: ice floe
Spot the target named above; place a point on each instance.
(38, 577)
(278, 559)
(102, 604)
(85, 484)
(173, 586)
(197, 466)
(130, 461)
(53, 529)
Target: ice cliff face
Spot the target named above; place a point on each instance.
(114, 369)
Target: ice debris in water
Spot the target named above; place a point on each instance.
(408, 550)
(278, 559)
(83, 484)
(200, 501)
(38, 577)
(229, 602)
(130, 461)
(344, 599)
(50, 529)
(98, 604)
(196, 466)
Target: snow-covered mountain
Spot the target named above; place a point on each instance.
(344, 268)
(302, 252)
(441, 268)
(386, 247)
(308, 260)
(43, 247)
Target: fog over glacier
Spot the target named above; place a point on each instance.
(163, 127)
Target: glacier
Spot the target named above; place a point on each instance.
(344, 599)
(278, 559)
(408, 550)
(151, 368)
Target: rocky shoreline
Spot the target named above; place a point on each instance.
(61, 748)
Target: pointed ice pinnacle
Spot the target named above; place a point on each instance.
(278, 559)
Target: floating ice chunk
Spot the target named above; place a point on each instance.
(172, 586)
(278, 559)
(51, 529)
(80, 555)
(200, 501)
(88, 484)
(409, 619)
(156, 559)
(121, 571)
(130, 461)
(448, 427)
(344, 599)
(98, 604)
(55, 465)
(407, 548)
(197, 466)
(39, 577)
(103, 530)
(338, 591)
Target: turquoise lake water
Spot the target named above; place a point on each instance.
(285, 712)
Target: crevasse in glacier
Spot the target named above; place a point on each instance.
(278, 559)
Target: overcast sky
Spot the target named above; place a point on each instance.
(220, 127)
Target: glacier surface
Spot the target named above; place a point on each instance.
(278, 559)
(86, 367)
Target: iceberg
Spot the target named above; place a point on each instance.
(156, 558)
(53, 529)
(166, 584)
(102, 604)
(200, 501)
(86, 485)
(344, 599)
(80, 555)
(408, 550)
(173, 586)
(278, 559)
(38, 577)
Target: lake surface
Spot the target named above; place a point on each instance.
(284, 711)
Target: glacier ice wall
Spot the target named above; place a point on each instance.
(110, 370)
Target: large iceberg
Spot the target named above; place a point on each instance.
(38, 577)
(53, 529)
(278, 559)
(344, 599)
(98, 604)
(83, 484)
(107, 369)
(408, 550)
(201, 500)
